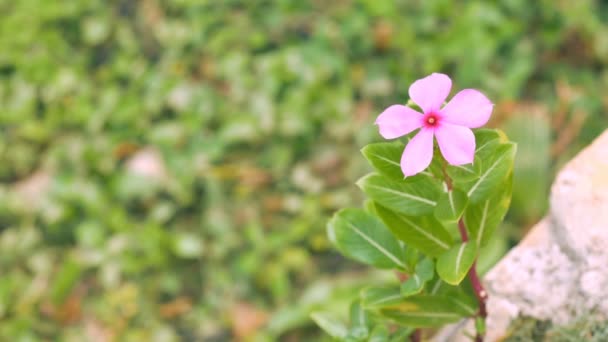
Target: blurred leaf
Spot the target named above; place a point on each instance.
(424, 311)
(376, 296)
(64, 280)
(360, 322)
(330, 324)
(187, 245)
(379, 334)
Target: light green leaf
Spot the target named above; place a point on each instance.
(380, 296)
(413, 196)
(425, 311)
(330, 324)
(411, 256)
(359, 321)
(462, 173)
(494, 171)
(483, 218)
(415, 283)
(424, 233)
(451, 205)
(365, 238)
(453, 265)
(385, 158)
(379, 334)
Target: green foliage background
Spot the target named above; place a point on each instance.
(257, 110)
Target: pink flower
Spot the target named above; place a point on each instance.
(450, 125)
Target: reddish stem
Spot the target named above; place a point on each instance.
(416, 336)
(480, 292)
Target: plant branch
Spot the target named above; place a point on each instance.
(480, 292)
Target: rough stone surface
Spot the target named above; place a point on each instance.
(560, 270)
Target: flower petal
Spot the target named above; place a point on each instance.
(457, 143)
(418, 153)
(430, 92)
(398, 120)
(468, 108)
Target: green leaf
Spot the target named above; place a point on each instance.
(414, 196)
(451, 205)
(385, 158)
(379, 334)
(402, 334)
(363, 237)
(359, 321)
(380, 296)
(415, 283)
(65, 279)
(462, 173)
(424, 233)
(330, 324)
(494, 171)
(425, 311)
(461, 295)
(411, 256)
(483, 218)
(533, 135)
(453, 265)
(484, 138)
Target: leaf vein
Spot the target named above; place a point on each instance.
(482, 223)
(425, 233)
(485, 174)
(403, 194)
(376, 245)
(459, 257)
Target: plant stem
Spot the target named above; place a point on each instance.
(416, 336)
(480, 292)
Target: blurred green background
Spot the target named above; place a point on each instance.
(167, 167)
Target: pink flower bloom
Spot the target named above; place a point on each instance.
(450, 125)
